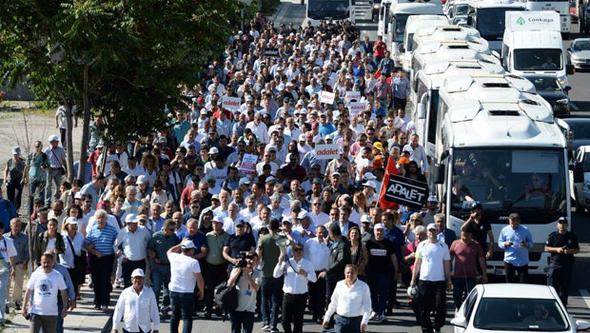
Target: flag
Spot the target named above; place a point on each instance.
(390, 169)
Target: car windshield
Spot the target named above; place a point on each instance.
(545, 84)
(537, 59)
(327, 9)
(581, 45)
(491, 22)
(461, 9)
(528, 181)
(516, 314)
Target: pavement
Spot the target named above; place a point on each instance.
(83, 319)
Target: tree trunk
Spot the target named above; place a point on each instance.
(69, 142)
(85, 126)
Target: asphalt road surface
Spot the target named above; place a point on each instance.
(403, 319)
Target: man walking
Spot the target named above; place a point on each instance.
(269, 252)
(132, 242)
(562, 244)
(57, 168)
(158, 246)
(317, 252)
(431, 270)
(7, 263)
(45, 284)
(215, 264)
(21, 244)
(515, 239)
(136, 310)
(381, 269)
(468, 257)
(185, 275)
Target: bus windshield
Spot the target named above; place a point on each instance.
(490, 22)
(328, 9)
(400, 26)
(538, 59)
(530, 182)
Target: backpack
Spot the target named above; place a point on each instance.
(226, 298)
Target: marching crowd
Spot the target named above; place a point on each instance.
(238, 195)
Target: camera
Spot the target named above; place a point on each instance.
(244, 255)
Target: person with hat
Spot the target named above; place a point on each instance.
(158, 246)
(57, 168)
(562, 245)
(137, 309)
(14, 177)
(74, 256)
(432, 273)
(35, 174)
(185, 275)
(239, 242)
(215, 265)
(132, 243)
(21, 244)
(516, 240)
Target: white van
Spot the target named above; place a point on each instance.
(415, 23)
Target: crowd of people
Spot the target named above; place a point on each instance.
(238, 194)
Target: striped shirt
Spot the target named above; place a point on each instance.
(103, 239)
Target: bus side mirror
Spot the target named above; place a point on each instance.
(569, 69)
(469, 20)
(578, 173)
(439, 173)
(497, 55)
(421, 112)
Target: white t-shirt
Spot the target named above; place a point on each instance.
(433, 256)
(182, 273)
(45, 287)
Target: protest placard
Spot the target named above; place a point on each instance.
(327, 152)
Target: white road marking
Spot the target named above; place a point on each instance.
(585, 296)
(574, 106)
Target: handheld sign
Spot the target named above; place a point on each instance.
(356, 108)
(352, 95)
(271, 52)
(405, 191)
(327, 97)
(327, 152)
(231, 103)
(248, 165)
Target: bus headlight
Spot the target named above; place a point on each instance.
(563, 101)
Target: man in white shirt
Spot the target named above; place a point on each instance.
(418, 154)
(185, 273)
(317, 216)
(317, 252)
(45, 284)
(432, 268)
(258, 128)
(298, 272)
(132, 244)
(351, 302)
(136, 309)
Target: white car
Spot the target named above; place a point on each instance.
(579, 53)
(512, 308)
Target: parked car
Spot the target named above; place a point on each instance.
(579, 53)
(514, 308)
(550, 88)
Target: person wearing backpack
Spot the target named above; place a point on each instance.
(247, 282)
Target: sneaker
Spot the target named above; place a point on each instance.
(104, 308)
(373, 315)
(266, 327)
(274, 330)
(381, 319)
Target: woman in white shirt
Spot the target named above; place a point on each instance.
(351, 302)
(74, 256)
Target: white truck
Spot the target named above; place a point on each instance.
(498, 144)
(532, 45)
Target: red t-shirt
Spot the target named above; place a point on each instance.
(379, 49)
(466, 257)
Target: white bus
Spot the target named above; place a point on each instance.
(328, 10)
(498, 144)
(488, 17)
(560, 6)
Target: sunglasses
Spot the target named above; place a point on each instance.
(240, 226)
(298, 249)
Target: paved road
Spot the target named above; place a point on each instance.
(403, 320)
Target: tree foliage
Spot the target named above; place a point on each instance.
(124, 59)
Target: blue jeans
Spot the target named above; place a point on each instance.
(36, 191)
(347, 324)
(60, 319)
(160, 280)
(183, 306)
(4, 284)
(380, 284)
(242, 321)
(271, 299)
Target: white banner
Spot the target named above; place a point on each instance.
(327, 97)
(327, 152)
(248, 165)
(231, 103)
(357, 108)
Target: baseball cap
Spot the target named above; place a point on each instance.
(213, 150)
(187, 244)
(15, 150)
(562, 220)
(78, 195)
(141, 179)
(131, 218)
(431, 226)
(244, 181)
(71, 220)
(53, 138)
(138, 272)
(370, 183)
(365, 219)
(432, 198)
(301, 215)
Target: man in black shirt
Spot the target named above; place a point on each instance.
(481, 230)
(562, 244)
(381, 268)
(239, 243)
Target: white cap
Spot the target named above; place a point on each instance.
(302, 214)
(432, 198)
(16, 150)
(370, 183)
(71, 220)
(431, 226)
(141, 179)
(187, 244)
(131, 218)
(379, 226)
(365, 218)
(213, 150)
(369, 176)
(53, 138)
(138, 272)
(78, 195)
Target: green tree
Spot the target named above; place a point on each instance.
(124, 59)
